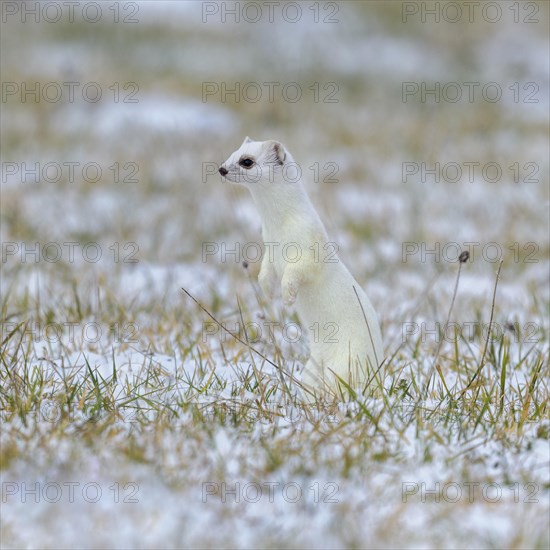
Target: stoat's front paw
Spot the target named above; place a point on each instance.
(290, 291)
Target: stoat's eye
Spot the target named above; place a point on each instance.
(246, 163)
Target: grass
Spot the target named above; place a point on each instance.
(498, 396)
(160, 402)
(481, 393)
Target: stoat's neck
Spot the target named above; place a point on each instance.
(284, 205)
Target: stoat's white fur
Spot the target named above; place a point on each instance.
(319, 284)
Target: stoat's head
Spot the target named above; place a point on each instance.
(256, 163)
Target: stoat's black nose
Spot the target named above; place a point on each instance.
(223, 171)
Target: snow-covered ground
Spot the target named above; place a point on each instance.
(153, 432)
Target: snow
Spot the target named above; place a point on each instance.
(180, 474)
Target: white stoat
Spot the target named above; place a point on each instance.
(347, 342)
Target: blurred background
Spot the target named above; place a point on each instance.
(143, 100)
(421, 129)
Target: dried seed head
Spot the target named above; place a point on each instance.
(463, 258)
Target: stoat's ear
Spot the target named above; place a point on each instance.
(276, 151)
(279, 151)
(246, 140)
